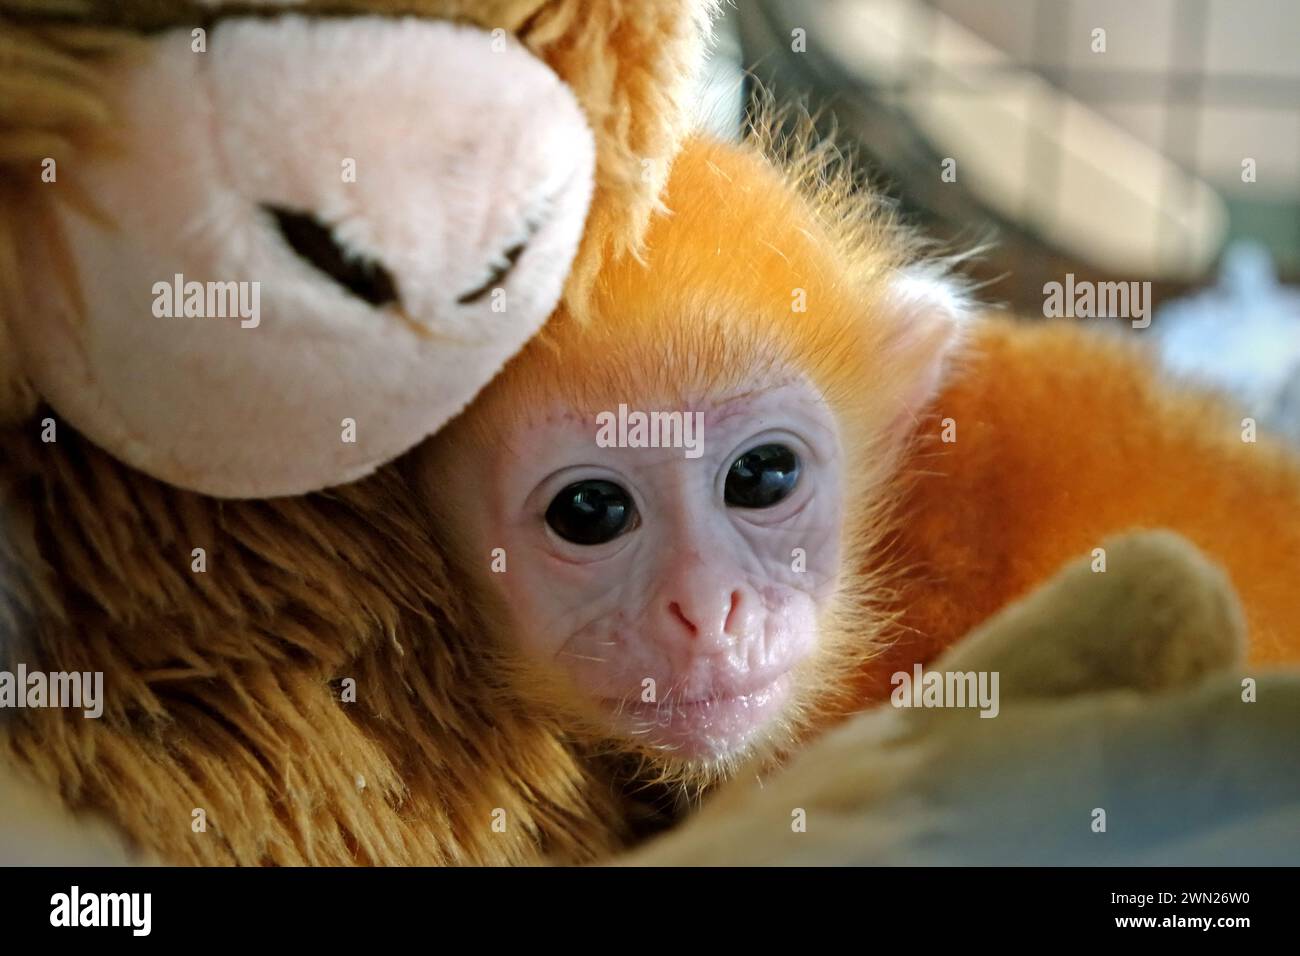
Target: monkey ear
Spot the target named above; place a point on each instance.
(930, 310)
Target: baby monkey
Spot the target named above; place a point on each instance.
(656, 503)
(722, 508)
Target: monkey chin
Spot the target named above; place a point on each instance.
(709, 731)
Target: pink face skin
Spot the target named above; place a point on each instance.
(713, 602)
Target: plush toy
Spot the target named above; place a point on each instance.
(216, 240)
(252, 252)
(1126, 733)
(217, 295)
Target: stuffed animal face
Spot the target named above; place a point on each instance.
(302, 232)
(307, 234)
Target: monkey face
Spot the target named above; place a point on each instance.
(673, 587)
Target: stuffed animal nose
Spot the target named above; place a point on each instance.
(316, 243)
(461, 226)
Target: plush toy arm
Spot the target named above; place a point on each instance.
(1160, 616)
(1120, 704)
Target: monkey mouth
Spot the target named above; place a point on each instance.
(707, 728)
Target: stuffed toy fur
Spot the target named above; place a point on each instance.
(229, 735)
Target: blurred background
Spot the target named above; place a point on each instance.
(1111, 140)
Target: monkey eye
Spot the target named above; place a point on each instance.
(591, 512)
(761, 477)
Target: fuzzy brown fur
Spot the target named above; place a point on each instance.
(223, 688)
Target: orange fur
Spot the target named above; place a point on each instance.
(707, 313)
(1065, 436)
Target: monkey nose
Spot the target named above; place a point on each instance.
(711, 616)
